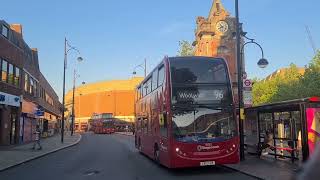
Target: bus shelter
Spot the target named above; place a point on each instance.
(295, 127)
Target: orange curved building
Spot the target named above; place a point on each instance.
(115, 96)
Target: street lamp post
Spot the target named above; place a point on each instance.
(73, 92)
(114, 102)
(262, 63)
(143, 66)
(67, 48)
(239, 66)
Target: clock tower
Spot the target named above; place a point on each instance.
(216, 37)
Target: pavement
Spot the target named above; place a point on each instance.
(100, 156)
(15, 155)
(266, 168)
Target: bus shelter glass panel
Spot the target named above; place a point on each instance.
(251, 128)
(296, 118)
(283, 126)
(266, 125)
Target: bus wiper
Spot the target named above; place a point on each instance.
(209, 107)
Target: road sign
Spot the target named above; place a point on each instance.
(244, 75)
(247, 98)
(247, 83)
(39, 113)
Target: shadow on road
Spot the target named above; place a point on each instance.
(192, 171)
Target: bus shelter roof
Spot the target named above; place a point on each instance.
(290, 105)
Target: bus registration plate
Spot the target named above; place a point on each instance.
(208, 163)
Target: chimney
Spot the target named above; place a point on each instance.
(35, 53)
(17, 28)
(35, 56)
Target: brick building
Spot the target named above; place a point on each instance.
(23, 90)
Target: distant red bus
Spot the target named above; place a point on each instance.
(185, 113)
(103, 126)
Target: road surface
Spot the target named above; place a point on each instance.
(108, 157)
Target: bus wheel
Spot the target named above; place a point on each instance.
(156, 154)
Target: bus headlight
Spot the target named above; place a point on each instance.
(233, 146)
(177, 149)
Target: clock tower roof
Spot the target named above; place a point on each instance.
(217, 9)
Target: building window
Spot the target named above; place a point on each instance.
(4, 71)
(35, 89)
(31, 88)
(5, 31)
(11, 75)
(26, 82)
(17, 77)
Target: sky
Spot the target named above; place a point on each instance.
(114, 36)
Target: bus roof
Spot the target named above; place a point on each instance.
(196, 58)
(180, 58)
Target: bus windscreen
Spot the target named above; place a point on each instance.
(201, 100)
(199, 81)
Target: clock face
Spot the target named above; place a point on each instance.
(222, 26)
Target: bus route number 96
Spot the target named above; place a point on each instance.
(218, 94)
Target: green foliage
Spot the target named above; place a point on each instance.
(186, 48)
(311, 79)
(289, 85)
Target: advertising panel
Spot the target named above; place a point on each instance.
(313, 127)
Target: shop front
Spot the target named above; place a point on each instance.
(49, 124)
(9, 118)
(29, 120)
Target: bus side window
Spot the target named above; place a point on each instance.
(163, 124)
(161, 76)
(154, 80)
(138, 93)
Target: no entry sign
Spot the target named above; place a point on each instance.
(247, 83)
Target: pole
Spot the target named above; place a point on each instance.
(73, 91)
(63, 91)
(114, 103)
(145, 67)
(239, 63)
(79, 112)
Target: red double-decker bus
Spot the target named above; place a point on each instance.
(103, 126)
(102, 123)
(185, 113)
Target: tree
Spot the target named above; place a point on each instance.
(186, 48)
(310, 82)
(282, 86)
(289, 85)
(264, 90)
